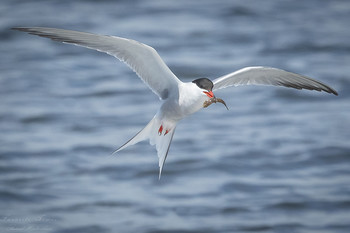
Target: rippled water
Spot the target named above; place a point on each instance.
(278, 161)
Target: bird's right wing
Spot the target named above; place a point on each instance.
(270, 76)
(141, 58)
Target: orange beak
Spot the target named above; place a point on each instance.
(210, 94)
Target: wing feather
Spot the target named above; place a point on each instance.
(270, 76)
(141, 58)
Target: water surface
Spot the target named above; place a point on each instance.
(278, 161)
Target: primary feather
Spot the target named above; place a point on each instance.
(259, 75)
(141, 58)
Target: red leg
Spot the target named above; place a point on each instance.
(160, 130)
(167, 131)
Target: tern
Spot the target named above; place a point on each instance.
(178, 99)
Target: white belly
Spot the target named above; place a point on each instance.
(190, 100)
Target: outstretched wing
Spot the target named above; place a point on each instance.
(141, 58)
(270, 76)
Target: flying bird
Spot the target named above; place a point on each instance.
(178, 99)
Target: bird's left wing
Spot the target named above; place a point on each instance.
(270, 76)
(141, 58)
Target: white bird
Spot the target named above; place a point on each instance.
(178, 99)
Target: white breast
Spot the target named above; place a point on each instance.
(191, 98)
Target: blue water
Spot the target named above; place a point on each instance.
(278, 161)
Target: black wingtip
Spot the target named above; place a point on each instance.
(330, 91)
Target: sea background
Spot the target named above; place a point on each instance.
(277, 161)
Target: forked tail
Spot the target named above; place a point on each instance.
(160, 133)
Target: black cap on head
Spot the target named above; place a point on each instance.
(204, 83)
